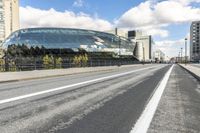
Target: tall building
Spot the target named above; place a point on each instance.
(119, 32)
(195, 41)
(144, 45)
(158, 56)
(9, 17)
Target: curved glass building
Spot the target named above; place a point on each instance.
(74, 39)
(66, 43)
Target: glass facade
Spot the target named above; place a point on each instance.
(74, 39)
(34, 44)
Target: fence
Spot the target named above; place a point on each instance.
(41, 66)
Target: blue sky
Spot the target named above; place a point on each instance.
(107, 9)
(167, 20)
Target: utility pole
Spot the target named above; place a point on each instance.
(185, 51)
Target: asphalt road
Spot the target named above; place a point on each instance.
(97, 102)
(179, 108)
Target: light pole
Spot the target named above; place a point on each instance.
(143, 54)
(119, 51)
(185, 51)
(181, 55)
(119, 45)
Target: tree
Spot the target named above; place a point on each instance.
(13, 66)
(77, 61)
(59, 62)
(2, 63)
(80, 60)
(48, 61)
(84, 60)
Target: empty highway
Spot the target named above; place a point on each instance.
(165, 96)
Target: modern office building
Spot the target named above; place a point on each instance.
(34, 43)
(158, 56)
(118, 32)
(139, 51)
(9, 17)
(195, 41)
(74, 39)
(144, 43)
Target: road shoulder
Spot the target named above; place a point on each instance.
(178, 110)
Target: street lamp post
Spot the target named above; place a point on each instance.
(181, 55)
(185, 51)
(143, 54)
(119, 51)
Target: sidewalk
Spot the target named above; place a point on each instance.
(26, 75)
(194, 70)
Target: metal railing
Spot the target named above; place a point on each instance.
(64, 65)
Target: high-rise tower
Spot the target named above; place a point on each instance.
(195, 41)
(9, 17)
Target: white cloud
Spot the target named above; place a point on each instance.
(141, 15)
(170, 43)
(153, 16)
(78, 3)
(157, 32)
(187, 2)
(33, 17)
(172, 47)
(168, 12)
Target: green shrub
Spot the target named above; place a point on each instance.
(2, 63)
(80, 60)
(59, 62)
(48, 62)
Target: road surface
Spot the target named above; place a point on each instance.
(101, 102)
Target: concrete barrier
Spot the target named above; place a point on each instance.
(194, 71)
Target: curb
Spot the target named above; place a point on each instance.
(193, 74)
(60, 75)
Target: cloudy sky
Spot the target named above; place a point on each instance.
(167, 20)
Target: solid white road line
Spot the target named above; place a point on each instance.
(68, 86)
(145, 119)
